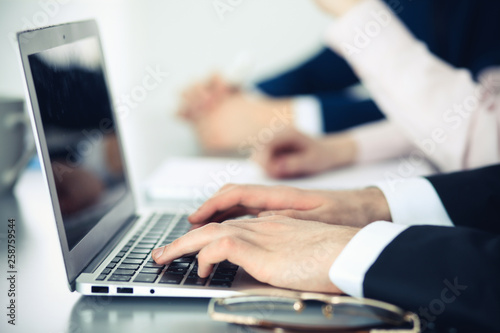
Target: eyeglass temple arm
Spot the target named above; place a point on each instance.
(409, 317)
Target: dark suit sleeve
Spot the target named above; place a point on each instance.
(449, 276)
(325, 76)
(325, 72)
(471, 198)
(341, 112)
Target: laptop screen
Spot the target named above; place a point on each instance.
(80, 132)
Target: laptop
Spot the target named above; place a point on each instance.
(105, 239)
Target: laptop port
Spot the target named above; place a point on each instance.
(124, 290)
(100, 290)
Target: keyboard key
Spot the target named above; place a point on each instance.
(151, 271)
(151, 239)
(125, 249)
(121, 254)
(193, 273)
(106, 271)
(145, 246)
(195, 281)
(225, 272)
(136, 250)
(146, 243)
(157, 229)
(116, 260)
(137, 256)
(129, 266)
(147, 278)
(121, 278)
(179, 264)
(220, 284)
(177, 270)
(129, 272)
(101, 277)
(171, 278)
(153, 265)
(228, 266)
(112, 265)
(184, 259)
(224, 278)
(132, 261)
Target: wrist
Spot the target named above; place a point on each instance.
(340, 149)
(374, 205)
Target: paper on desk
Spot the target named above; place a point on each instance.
(186, 178)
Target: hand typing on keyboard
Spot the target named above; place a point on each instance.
(278, 250)
(273, 248)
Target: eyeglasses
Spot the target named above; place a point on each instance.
(313, 312)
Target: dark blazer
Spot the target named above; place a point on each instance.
(464, 33)
(450, 276)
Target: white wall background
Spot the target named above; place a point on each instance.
(187, 38)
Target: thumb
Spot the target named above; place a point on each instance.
(292, 165)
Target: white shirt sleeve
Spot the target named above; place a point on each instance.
(379, 141)
(349, 269)
(414, 201)
(307, 115)
(441, 109)
(411, 202)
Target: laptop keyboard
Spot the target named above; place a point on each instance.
(134, 262)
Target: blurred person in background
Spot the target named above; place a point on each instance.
(333, 128)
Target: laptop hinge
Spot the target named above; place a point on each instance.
(103, 254)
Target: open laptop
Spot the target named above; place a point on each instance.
(105, 241)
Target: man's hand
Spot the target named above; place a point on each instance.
(204, 96)
(276, 250)
(237, 122)
(227, 119)
(293, 154)
(355, 208)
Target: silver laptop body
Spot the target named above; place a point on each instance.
(81, 156)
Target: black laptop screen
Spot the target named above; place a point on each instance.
(80, 132)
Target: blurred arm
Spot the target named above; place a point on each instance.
(325, 72)
(438, 107)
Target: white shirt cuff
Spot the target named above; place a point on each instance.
(349, 269)
(307, 115)
(414, 201)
